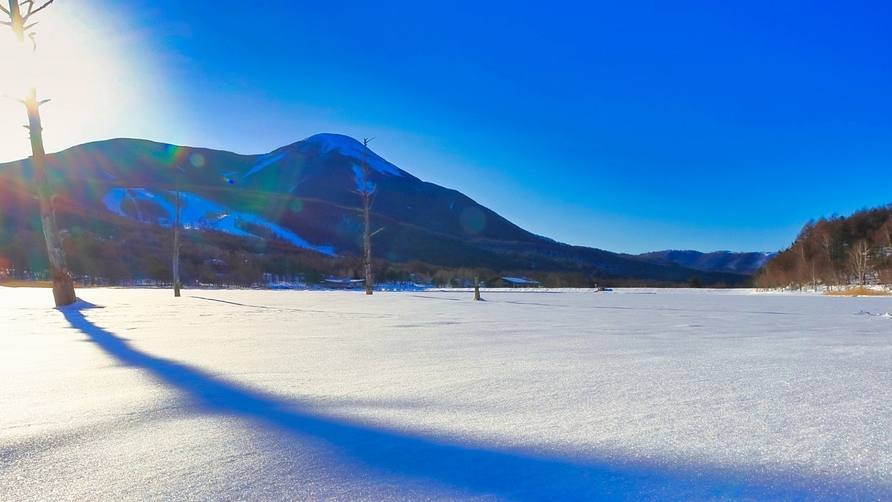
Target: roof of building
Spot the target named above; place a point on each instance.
(519, 280)
(345, 281)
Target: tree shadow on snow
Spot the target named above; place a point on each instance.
(515, 475)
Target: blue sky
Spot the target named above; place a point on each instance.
(629, 126)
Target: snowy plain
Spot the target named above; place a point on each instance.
(535, 395)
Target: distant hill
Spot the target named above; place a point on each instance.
(293, 208)
(718, 261)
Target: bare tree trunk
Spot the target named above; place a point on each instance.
(176, 249)
(16, 21)
(63, 286)
(858, 256)
(367, 253)
(885, 240)
(827, 246)
(366, 194)
(814, 277)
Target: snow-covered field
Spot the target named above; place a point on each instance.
(301, 395)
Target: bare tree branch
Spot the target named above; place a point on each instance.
(7, 96)
(18, 20)
(32, 10)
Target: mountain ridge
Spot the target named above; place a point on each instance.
(305, 192)
(747, 263)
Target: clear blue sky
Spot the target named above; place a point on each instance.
(625, 125)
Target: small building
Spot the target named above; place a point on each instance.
(343, 283)
(516, 282)
(284, 285)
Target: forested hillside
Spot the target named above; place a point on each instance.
(836, 252)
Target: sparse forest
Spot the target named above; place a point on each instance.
(836, 252)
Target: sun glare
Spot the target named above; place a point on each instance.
(89, 67)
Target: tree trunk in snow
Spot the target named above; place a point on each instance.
(63, 286)
(367, 245)
(366, 193)
(858, 256)
(176, 249)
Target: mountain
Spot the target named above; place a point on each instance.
(718, 261)
(296, 206)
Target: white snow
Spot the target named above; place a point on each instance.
(265, 161)
(349, 147)
(301, 395)
(200, 213)
(358, 178)
(116, 196)
(113, 200)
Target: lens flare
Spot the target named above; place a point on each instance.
(196, 159)
(97, 74)
(473, 220)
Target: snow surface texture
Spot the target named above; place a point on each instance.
(349, 147)
(264, 395)
(198, 212)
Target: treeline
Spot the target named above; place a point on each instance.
(132, 253)
(836, 252)
(106, 249)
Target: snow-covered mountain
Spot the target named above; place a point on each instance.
(302, 197)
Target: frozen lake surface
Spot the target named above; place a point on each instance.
(296, 395)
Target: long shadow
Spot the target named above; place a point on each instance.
(514, 475)
(266, 307)
(287, 309)
(441, 298)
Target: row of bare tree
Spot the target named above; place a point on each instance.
(836, 252)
